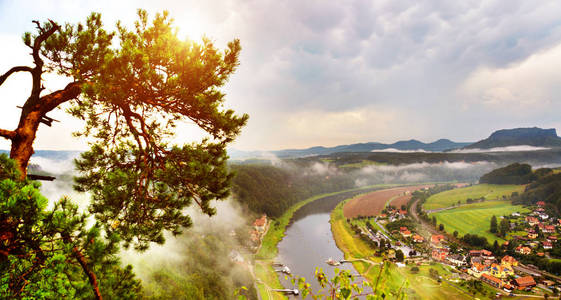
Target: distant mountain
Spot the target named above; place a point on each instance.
(534, 136)
(52, 154)
(410, 145)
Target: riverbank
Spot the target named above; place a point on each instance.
(265, 274)
(417, 285)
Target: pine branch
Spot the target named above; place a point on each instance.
(7, 134)
(14, 70)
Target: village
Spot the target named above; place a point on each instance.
(535, 234)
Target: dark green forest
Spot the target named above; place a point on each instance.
(515, 173)
(546, 188)
(272, 190)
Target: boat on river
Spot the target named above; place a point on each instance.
(330, 261)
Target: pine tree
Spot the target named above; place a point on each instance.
(131, 87)
(504, 227)
(493, 224)
(52, 253)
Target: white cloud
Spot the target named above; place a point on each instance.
(531, 86)
(501, 149)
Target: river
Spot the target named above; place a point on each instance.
(308, 240)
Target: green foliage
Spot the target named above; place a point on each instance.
(399, 256)
(493, 224)
(395, 225)
(475, 240)
(41, 249)
(272, 190)
(512, 174)
(547, 189)
(137, 84)
(504, 227)
(343, 285)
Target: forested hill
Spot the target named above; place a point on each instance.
(543, 184)
(534, 136)
(272, 190)
(548, 189)
(512, 174)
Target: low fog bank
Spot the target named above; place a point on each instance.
(517, 148)
(404, 173)
(422, 172)
(212, 256)
(207, 260)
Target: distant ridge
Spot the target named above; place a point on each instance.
(533, 136)
(410, 145)
(52, 154)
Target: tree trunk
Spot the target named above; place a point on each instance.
(22, 144)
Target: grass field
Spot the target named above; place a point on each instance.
(476, 218)
(489, 191)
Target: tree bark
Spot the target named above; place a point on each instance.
(32, 113)
(91, 276)
(84, 264)
(22, 143)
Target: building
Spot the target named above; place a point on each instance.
(549, 229)
(501, 271)
(406, 233)
(541, 203)
(418, 239)
(547, 245)
(532, 221)
(436, 240)
(439, 254)
(508, 260)
(525, 282)
(492, 280)
(477, 269)
(456, 259)
(523, 250)
(259, 224)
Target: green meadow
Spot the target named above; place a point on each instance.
(476, 218)
(489, 191)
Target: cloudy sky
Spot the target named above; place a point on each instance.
(338, 72)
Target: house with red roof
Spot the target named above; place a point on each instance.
(406, 233)
(418, 239)
(259, 224)
(439, 254)
(523, 250)
(532, 221)
(541, 203)
(548, 229)
(525, 282)
(436, 240)
(547, 245)
(509, 261)
(492, 280)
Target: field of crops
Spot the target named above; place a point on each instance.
(373, 203)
